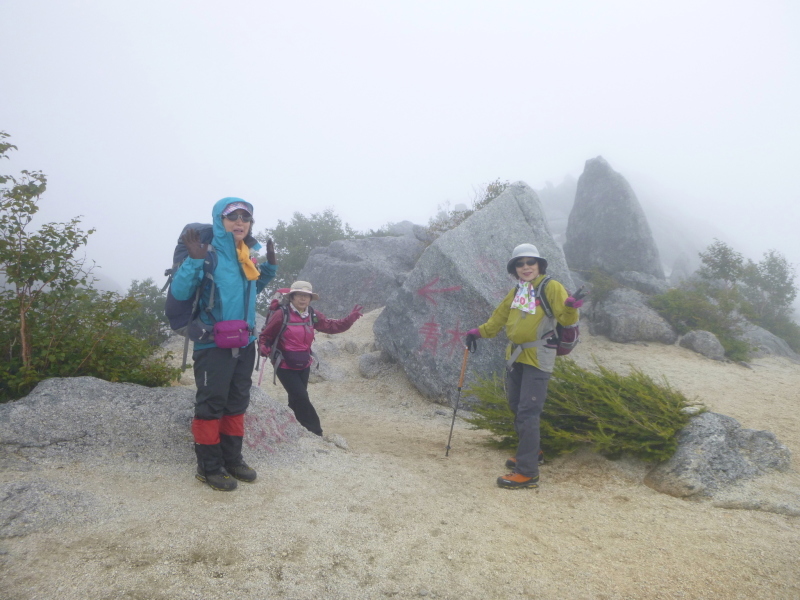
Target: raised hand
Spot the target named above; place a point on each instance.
(196, 248)
(271, 252)
(573, 302)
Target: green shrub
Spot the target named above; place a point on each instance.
(80, 334)
(610, 413)
(689, 309)
(601, 284)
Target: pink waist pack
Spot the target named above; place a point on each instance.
(231, 334)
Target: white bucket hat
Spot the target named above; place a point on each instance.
(526, 250)
(304, 287)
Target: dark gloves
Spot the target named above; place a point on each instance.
(473, 335)
(196, 249)
(271, 252)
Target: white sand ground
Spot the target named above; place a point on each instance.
(393, 518)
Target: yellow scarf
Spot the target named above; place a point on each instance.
(250, 270)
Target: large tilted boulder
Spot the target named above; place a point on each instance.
(715, 451)
(607, 228)
(456, 284)
(365, 271)
(624, 316)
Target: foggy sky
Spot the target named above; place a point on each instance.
(143, 114)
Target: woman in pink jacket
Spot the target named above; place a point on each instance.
(293, 347)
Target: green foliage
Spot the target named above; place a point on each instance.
(149, 322)
(730, 287)
(447, 219)
(80, 333)
(601, 284)
(52, 323)
(691, 308)
(295, 240)
(721, 262)
(610, 413)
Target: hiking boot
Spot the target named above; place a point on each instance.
(511, 463)
(242, 472)
(516, 481)
(222, 482)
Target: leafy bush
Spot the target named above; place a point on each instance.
(610, 413)
(689, 309)
(80, 334)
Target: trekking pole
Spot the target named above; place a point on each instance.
(458, 398)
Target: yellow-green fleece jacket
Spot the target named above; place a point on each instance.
(524, 327)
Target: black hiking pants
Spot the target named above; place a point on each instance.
(223, 381)
(296, 385)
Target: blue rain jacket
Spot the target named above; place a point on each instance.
(231, 284)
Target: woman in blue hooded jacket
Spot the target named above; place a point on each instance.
(224, 375)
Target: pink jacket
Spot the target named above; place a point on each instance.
(298, 338)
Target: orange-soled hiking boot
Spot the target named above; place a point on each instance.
(514, 481)
(511, 463)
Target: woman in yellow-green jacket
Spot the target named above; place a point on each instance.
(530, 357)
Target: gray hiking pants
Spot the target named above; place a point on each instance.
(526, 390)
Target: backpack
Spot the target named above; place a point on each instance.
(564, 339)
(183, 313)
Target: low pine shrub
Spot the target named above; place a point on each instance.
(612, 414)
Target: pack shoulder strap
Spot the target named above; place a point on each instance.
(540, 293)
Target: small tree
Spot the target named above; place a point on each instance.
(35, 263)
(52, 322)
(295, 240)
(721, 262)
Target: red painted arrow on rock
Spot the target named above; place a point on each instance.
(427, 291)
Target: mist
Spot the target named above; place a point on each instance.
(143, 115)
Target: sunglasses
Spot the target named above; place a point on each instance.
(239, 217)
(530, 262)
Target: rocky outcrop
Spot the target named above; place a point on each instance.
(705, 343)
(86, 418)
(607, 228)
(765, 343)
(715, 451)
(136, 429)
(456, 284)
(624, 316)
(365, 271)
